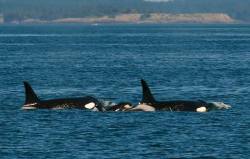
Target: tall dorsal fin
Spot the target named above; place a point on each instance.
(30, 95)
(147, 96)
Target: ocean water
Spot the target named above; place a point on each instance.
(193, 62)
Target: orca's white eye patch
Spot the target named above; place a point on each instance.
(90, 105)
(201, 109)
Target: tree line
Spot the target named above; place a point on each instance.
(54, 9)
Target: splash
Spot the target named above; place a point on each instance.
(220, 105)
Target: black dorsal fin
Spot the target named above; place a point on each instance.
(30, 95)
(147, 96)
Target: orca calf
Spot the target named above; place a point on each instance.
(33, 102)
(148, 103)
(123, 106)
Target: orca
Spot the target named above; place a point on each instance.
(122, 106)
(33, 102)
(148, 103)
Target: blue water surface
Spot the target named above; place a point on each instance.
(191, 62)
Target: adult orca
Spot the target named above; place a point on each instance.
(148, 103)
(33, 102)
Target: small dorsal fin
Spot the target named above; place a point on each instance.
(30, 95)
(147, 96)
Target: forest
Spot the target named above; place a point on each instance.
(54, 9)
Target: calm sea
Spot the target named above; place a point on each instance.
(207, 62)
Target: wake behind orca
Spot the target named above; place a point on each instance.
(33, 102)
(148, 103)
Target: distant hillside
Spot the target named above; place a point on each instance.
(49, 10)
(142, 18)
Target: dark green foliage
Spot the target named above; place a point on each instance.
(54, 9)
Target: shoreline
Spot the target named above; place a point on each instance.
(154, 18)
